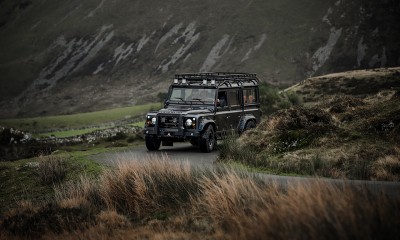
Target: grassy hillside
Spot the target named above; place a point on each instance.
(78, 121)
(367, 84)
(354, 134)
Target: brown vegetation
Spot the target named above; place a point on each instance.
(344, 137)
(347, 127)
(51, 169)
(160, 199)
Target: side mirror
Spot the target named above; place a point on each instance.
(166, 103)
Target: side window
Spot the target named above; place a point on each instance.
(249, 96)
(233, 97)
(222, 99)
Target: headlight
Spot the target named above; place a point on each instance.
(188, 122)
(151, 121)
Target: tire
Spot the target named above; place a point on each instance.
(249, 125)
(207, 140)
(152, 143)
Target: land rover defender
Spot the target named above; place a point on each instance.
(204, 107)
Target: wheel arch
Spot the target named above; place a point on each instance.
(206, 123)
(244, 120)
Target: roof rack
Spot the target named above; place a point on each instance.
(228, 79)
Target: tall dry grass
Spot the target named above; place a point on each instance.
(244, 209)
(52, 169)
(154, 186)
(387, 168)
(160, 198)
(135, 188)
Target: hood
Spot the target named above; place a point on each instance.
(184, 110)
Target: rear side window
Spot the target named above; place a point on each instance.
(233, 97)
(249, 96)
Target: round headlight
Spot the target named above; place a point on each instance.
(188, 122)
(153, 121)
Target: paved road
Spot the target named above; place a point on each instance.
(185, 152)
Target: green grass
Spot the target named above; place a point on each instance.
(77, 132)
(137, 124)
(19, 180)
(74, 121)
(70, 133)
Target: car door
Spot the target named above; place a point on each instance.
(229, 110)
(222, 113)
(235, 109)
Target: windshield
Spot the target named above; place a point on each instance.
(193, 95)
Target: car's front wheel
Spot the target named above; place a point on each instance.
(207, 140)
(152, 143)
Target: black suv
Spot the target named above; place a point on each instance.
(204, 107)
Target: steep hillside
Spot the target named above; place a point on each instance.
(73, 56)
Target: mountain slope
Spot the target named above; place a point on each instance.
(73, 56)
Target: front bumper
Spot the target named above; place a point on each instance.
(172, 133)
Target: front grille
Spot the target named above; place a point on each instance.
(168, 121)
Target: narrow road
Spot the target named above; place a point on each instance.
(185, 152)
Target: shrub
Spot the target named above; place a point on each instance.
(387, 168)
(294, 98)
(289, 129)
(340, 104)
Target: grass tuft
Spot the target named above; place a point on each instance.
(147, 189)
(52, 169)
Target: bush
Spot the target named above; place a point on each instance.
(231, 149)
(289, 129)
(294, 98)
(341, 104)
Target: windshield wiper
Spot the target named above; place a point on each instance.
(198, 99)
(180, 98)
